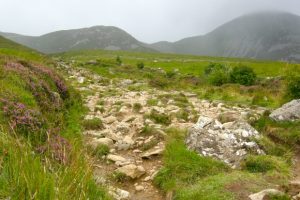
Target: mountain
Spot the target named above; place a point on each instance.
(264, 35)
(97, 37)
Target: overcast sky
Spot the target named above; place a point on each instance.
(147, 20)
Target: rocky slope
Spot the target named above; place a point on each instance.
(266, 35)
(97, 37)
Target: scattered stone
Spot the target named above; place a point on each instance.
(115, 158)
(139, 188)
(101, 141)
(265, 194)
(125, 144)
(288, 112)
(109, 120)
(126, 82)
(153, 152)
(132, 171)
(294, 188)
(80, 79)
(119, 194)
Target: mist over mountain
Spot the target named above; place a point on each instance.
(264, 35)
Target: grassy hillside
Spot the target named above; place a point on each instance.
(41, 153)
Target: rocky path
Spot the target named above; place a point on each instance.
(136, 141)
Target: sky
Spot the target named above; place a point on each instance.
(147, 20)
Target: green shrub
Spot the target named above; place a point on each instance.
(242, 75)
(217, 74)
(119, 60)
(293, 87)
(92, 124)
(140, 65)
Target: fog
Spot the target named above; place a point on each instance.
(146, 20)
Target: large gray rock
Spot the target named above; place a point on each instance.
(229, 142)
(288, 112)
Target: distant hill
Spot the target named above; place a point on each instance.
(97, 37)
(264, 35)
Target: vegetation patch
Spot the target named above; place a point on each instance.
(159, 118)
(265, 163)
(92, 124)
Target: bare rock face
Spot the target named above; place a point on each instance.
(229, 142)
(288, 112)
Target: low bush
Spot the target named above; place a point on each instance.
(140, 65)
(119, 60)
(242, 75)
(217, 74)
(293, 87)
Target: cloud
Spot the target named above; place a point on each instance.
(148, 21)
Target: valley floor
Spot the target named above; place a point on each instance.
(134, 126)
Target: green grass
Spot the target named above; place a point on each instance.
(266, 163)
(229, 186)
(26, 170)
(285, 133)
(183, 167)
